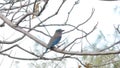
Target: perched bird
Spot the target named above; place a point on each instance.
(55, 39)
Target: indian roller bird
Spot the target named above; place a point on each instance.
(55, 39)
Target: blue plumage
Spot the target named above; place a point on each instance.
(55, 39)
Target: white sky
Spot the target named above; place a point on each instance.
(106, 13)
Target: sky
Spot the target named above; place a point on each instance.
(106, 14)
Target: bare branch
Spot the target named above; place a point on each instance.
(54, 13)
(20, 20)
(13, 8)
(43, 8)
(20, 48)
(71, 11)
(57, 50)
(74, 27)
(81, 37)
(118, 42)
(21, 30)
(13, 41)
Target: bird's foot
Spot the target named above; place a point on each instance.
(52, 48)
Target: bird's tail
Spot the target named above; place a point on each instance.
(49, 47)
(46, 50)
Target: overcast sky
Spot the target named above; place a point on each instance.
(106, 13)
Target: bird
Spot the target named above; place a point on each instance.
(54, 39)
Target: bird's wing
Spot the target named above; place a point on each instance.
(56, 41)
(53, 41)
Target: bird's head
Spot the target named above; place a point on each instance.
(59, 30)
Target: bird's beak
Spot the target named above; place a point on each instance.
(62, 30)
